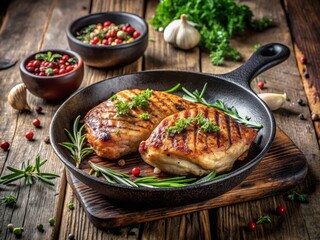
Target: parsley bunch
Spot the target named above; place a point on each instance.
(217, 22)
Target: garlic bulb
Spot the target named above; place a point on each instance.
(273, 100)
(17, 97)
(182, 34)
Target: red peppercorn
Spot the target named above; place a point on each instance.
(135, 171)
(4, 145)
(65, 57)
(260, 85)
(129, 30)
(303, 59)
(29, 135)
(107, 23)
(69, 68)
(36, 122)
(281, 210)
(252, 226)
(136, 34)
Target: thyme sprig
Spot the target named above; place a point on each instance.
(197, 97)
(76, 144)
(116, 177)
(29, 173)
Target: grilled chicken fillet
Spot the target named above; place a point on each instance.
(193, 151)
(113, 136)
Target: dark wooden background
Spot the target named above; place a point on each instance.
(31, 25)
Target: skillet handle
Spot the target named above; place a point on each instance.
(264, 58)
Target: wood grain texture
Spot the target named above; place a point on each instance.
(282, 168)
(27, 26)
(282, 78)
(15, 124)
(307, 42)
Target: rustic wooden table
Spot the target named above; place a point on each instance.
(28, 26)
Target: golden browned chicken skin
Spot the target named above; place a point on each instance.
(113, 136)
(193, 151)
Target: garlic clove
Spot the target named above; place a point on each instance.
(17, 97)
(273, 100)
(170, 32)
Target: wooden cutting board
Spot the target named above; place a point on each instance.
(283, 167)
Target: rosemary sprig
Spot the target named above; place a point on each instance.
(76, 146)
(29, 173)
(197, 97)
(115, 177)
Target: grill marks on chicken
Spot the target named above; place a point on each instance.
(193, 151)
(113, 136)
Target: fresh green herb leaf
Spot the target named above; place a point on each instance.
(122, 108)
(9, 200)
(40, 227)
(261, 24)
(114, 97)
(51, 221)
(298, 197)
(173, 89)
(70, 206)
(256, 47)
(77, 142)
(217, 22)
(209, 127)
(49, 71)
(141, 100)
(144, 115)
(17, 231)
(118, 132)
(263, 219)
(84, 34)
(180, 125)
(47, 56)
(29, 173)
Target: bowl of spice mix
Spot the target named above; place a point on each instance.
(108, 39)
(52, 74)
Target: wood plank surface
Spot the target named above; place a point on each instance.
(28, 26)
(306, 37)
(15, 124)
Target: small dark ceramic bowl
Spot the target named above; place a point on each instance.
(109, 56)
(53, 87)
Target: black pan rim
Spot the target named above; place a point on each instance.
(229, 175)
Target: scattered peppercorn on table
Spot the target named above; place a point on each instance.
(43, 211)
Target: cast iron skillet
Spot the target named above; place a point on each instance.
(233, 88)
